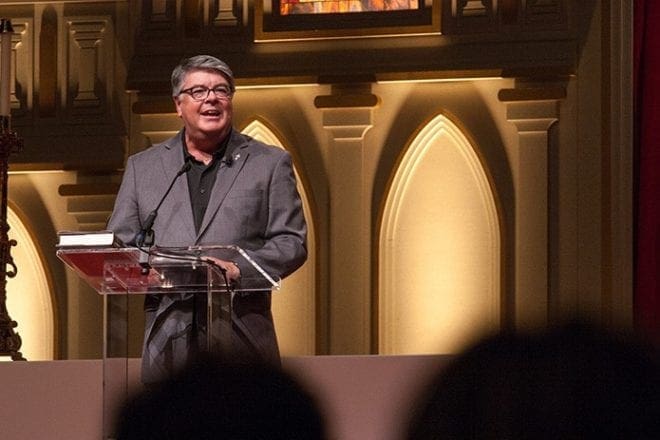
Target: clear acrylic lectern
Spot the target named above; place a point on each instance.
(118, 273)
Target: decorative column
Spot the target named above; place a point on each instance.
(10, 341)
(87, 52)
(347, 115)
(225, 15)
(532, 110)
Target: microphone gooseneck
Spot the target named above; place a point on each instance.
(145, 237)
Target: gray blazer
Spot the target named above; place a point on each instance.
(254, 204)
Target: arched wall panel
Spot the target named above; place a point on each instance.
(29, 299)
(439, 247)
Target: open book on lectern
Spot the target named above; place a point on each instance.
(115, 269)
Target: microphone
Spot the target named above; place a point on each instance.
(146, 234)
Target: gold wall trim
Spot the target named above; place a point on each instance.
(532, 94)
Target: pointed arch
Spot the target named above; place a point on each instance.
(439, 246)
(294, 305)
(29, 299)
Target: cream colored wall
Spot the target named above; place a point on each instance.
(359, 154)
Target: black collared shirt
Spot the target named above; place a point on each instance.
(201, 179)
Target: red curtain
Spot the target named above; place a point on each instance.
(647, 149)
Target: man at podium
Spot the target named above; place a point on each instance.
(210, 185)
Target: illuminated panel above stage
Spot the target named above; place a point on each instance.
(286, 20)
(295, 7)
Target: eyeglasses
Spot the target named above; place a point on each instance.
(200, 93)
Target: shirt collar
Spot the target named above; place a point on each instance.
(217, 155)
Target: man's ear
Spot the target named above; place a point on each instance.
(177, 105)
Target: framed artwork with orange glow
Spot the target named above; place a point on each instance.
(327, 19)
(298, 7)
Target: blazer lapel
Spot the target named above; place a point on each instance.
(172, 161)
(229, 169)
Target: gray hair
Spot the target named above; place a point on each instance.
(199, 62)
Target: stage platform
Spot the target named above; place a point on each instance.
(362, 397)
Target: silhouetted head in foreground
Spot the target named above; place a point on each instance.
(572, 382)
(214, 400)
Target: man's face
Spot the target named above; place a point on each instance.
(210, 117)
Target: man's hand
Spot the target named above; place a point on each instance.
(232, 270)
